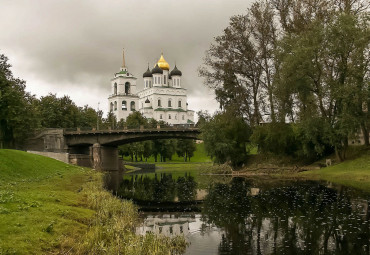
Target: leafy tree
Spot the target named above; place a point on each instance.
(277, 138)
(18, 117)
(325, 70)
(110, 121)
(135, 120)
(240, 66)
(58, 112)
(147, 150)
(185, 148)
(88, 117)
(225, 138)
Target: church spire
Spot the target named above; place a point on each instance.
(123, 59)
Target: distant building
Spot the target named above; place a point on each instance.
(163, 97)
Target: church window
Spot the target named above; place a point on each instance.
(111, 106)
(155, 80)
(159, 80)
(115, 105)
(132, 108)
(127, 88)
(179, 103)
(115, 88)
(159, 102)
(183, 117)
(150, 84)
(164, 79)
(124, 105)
(160, 116)
(175, 117)
(146, 84)
(178, 82)
(169, 102)
(142, 105)
(169, 116)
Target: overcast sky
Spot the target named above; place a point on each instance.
(74, 47)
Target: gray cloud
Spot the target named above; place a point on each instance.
(74, 47)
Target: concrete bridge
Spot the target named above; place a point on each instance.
(98, 148)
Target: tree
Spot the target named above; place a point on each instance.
(185, 148)
(88, 117)
(147, 152)
(240, 65)
(135, 120)
(110, 121)
(326, 70)
(18, 117)
(225, 138)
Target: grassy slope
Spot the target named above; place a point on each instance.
(39, 202)
(44, 209)
(355, 173)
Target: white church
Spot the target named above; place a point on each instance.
(162, 98)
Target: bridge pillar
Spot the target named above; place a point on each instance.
(105, 158)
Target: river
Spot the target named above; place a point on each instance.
(224, 215)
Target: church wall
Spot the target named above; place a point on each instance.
(123, 114)
(121, 81)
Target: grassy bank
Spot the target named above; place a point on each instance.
(354, 173)
(47, 206)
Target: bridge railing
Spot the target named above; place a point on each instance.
(132, 128)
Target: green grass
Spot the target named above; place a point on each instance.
(48, 207)
(354, 173)
(39, 203)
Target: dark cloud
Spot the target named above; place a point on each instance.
(73, 47)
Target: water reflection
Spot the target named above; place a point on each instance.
(161, 188)
(241, 217)
(167, 224)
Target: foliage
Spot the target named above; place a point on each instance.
(324, 68)
(302, 61)
(239, 65)
(277, 138)
(225, 137)
(17, 112)
(185, 148)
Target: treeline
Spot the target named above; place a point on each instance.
(293, 76)
(161, 149)
(22, 113)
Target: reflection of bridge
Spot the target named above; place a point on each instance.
(98, 149)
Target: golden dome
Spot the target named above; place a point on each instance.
(162, 63)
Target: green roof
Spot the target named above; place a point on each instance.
(122, 72)
(190, 122)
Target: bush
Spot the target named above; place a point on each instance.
(276, 138)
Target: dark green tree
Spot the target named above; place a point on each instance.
(185, 148)
(225, 138)
(18, 117)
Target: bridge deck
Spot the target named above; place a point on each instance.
(131, 131)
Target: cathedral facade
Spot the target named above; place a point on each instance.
(162, 98)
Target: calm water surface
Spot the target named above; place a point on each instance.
(223, 215)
